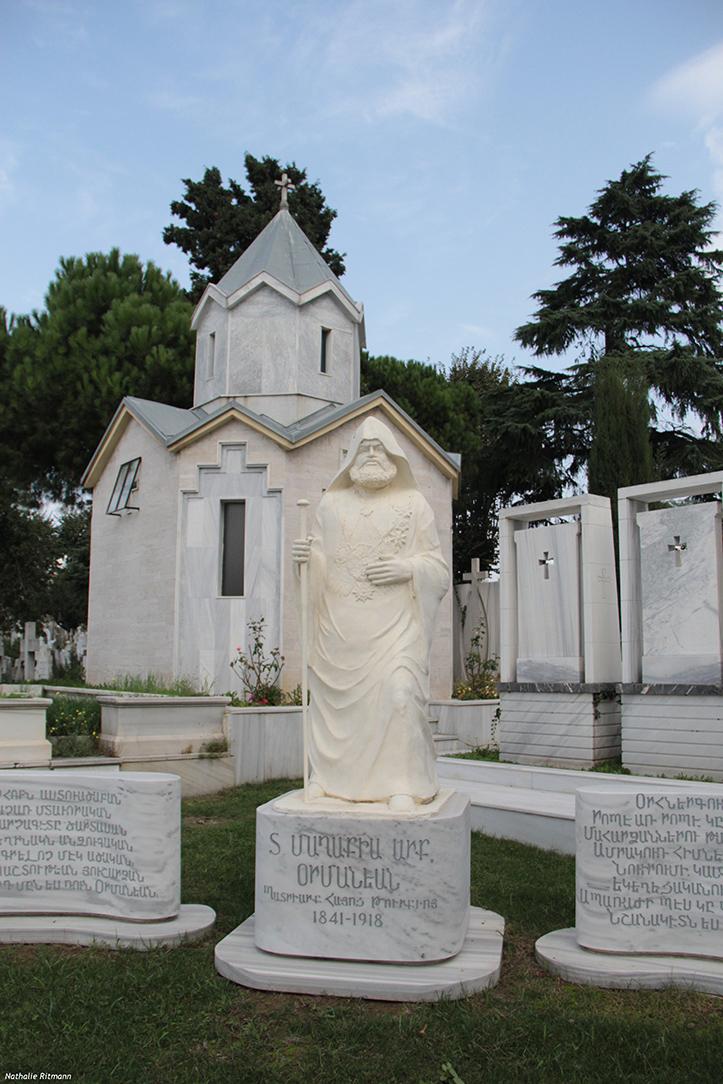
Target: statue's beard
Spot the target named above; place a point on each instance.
(373, 475)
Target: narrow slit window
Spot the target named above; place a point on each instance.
(211, 353)
(233, 542)
(325, 344)
(125, 484)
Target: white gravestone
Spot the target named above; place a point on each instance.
(681, 563)
(370, 863)
(92, 844)
(360, 885)
(548, 591)
(649, 874)
(43, 661)
(649, 891)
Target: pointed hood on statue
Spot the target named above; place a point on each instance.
(373, 429)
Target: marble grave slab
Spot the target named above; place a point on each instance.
(649, 871)
(681, 563)
(548, 594)
(92, 844)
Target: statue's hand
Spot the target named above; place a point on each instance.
(389, 570)
(301, 550)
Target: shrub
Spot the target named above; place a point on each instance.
(258, 671)
(482, 673)
(73, 726)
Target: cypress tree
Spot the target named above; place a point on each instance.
(621, 452)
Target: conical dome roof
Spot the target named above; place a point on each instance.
(283, 251)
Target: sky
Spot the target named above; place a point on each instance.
(448, 135)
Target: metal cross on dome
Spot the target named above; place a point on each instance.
(286, 186)
(546, 560)
(677, 548)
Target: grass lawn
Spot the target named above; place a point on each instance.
(166, 1016)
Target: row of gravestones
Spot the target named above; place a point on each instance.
(581, 684)
(37, 656)
(359, 901)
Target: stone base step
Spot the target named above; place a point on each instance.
(535, 805)
(448, 743)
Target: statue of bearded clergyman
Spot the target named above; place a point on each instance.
(376, 578)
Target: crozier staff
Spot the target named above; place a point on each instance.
(376, 577)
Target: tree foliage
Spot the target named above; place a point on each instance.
(30, 554)
(221, 220)
(516, 440)
(68, 596)
(111, 327)
(644, 287)
(621, 452)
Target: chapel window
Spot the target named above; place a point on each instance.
(126, 484)
(325, 348)
(211, 354)
(233, 543)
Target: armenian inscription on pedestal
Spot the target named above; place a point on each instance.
(352, 886)
(649, 873)
(90, 844)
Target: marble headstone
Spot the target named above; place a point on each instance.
(681, 562)
(548, 593)
(77, 843)
(649, 871)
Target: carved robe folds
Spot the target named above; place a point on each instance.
(369, 645)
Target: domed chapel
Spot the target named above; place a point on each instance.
(194, 511)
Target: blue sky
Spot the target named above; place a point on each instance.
(448, 135)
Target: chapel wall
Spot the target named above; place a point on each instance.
(211, 362)
(305, 473)
(262, 344)
(133, 566)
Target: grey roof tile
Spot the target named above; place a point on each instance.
(283, 250)
(172, 423)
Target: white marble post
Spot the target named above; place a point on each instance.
(559, 633)
(671, 585)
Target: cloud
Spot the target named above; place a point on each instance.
(413, 58)
(186, 105)
(695, 87)
(8, 167)
(695, 90)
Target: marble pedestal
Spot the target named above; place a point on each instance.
(353, 881)
(560, 953)
(559, 724)
(475, 967)
(22, 731)
(673, 730)
(357, 901)
(649, 891)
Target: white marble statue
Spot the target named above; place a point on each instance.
(376, 578)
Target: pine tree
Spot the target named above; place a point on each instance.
(222, 221)
(644, 287)
(111, 326)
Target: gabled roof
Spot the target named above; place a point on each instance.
(176, 428)
(283, 251)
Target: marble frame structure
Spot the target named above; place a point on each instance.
(667, 727)
(570, 723)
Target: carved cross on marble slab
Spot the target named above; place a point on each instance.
(677, 548)
(546, 560)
